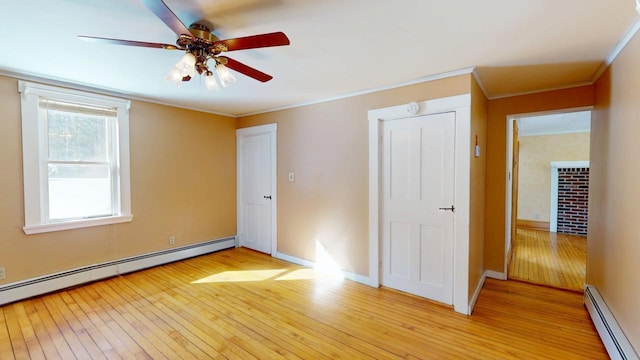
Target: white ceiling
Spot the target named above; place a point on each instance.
(571, 122)
(337, 46)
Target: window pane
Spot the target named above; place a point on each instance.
(76, 137)
(77, 191)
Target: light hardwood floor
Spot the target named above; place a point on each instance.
(546, 258)
(239, 304)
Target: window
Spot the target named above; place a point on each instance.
(75, 149)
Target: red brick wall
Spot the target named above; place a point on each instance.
(573, 200)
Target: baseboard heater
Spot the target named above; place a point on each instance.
(616, 343)
(52, 282)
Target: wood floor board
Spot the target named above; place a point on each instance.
(240, 304)
(170, 330)
(553, 259)
(17, 342)
(137, 340)
(58, 320)
(268, 323)
(5, 339)
(146, 324)
(281, 298)
(89, 349)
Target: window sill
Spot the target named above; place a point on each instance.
(77, 224)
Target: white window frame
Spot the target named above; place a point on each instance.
(34, 155)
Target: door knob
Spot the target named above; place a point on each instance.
(268, 197)
(452, 208)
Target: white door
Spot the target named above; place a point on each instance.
(418, 205)
(256, 188)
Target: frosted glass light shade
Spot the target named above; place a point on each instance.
(225, 76)
(210, 82)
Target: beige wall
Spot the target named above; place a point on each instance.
(477, 184)
(498, 111)
(613, 251)
(536, 154)
(182, 183)
(326, 145)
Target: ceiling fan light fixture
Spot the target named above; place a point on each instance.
(183, 68)
(174, 75)
(187, 64)
(210, 82)
(201, 46)
(225, 76)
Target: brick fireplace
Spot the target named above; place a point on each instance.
(573, 200)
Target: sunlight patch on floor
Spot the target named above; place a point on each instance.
(263, 275)
(240, 276)
(325, 269)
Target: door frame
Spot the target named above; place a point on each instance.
(271, 130)
(508, 194)
(461, 105)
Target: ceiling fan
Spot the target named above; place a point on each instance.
(201, 46)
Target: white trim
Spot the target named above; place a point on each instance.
(28, 88)
(612, 336)
(553, 201)
(617, 49)
(101, 90)
(550, 112)
(310, 264)
(508, 192)
(424, 79)
(476, 75)
(531, 92)
(76, 224)
(495, 275)
(272, 130)
(44, 284)
(476, 293)
(34, 154)
(461, 104)
(294, 260)
(543, 133)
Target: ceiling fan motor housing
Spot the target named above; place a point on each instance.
(202, 32)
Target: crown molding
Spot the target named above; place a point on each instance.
(444, 75)
(631, 32)
(100, 90)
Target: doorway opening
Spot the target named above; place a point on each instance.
(547, 193)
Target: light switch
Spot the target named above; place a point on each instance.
(292, 176)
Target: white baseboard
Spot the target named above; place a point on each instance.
(476, 293)
(44, 284)
(612, 336)
(495, 275)
(294, 260)
(310, 264)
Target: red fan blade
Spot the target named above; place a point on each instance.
(246, 70)
(255, 41)
(162, 11)
(127, 42)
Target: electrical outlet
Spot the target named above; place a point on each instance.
(172, 240)
(3, 274)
